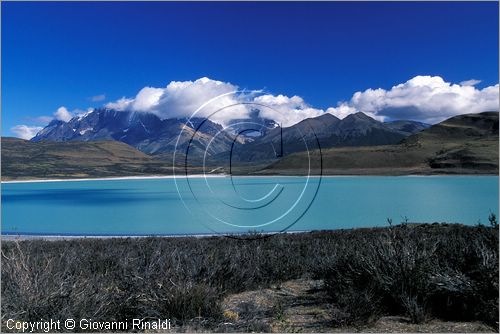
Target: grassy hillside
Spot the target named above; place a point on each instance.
(465, 144)
(22, 159)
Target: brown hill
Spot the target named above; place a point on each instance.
(22, 159)
(465, 144)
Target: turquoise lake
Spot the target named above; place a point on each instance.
(166, 206)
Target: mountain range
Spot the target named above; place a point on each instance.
(144, 131)
(249, 139)
(327, 131)
(463, 144)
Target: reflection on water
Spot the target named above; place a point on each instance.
(86, 196)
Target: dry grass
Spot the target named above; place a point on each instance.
(424, 271)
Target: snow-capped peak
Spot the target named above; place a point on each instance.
(85, 114)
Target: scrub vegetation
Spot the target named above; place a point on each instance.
(418, 271)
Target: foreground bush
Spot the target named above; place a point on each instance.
(449, 272)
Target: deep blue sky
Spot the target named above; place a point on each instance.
(57, 54)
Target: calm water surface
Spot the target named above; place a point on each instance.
(154, 206)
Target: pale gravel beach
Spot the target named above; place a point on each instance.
(153, 177)
(22, 237)
(199, 176)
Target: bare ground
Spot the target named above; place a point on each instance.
(300, 306)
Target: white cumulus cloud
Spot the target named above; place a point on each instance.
(183, 98)
(220, 101)
(343, 110)
(121, 104)
(471, 82)
(62, 114)
(25, 131)
(285, 110)
(423, 98)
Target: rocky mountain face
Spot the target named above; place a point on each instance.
(407, 128)
(152, 135)
(144, 131)
(326, 131)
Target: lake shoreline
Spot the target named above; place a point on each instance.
(197, 176)
(152, 177)
(241, 236)
(57, 237)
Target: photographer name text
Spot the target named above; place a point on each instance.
(51, 325)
